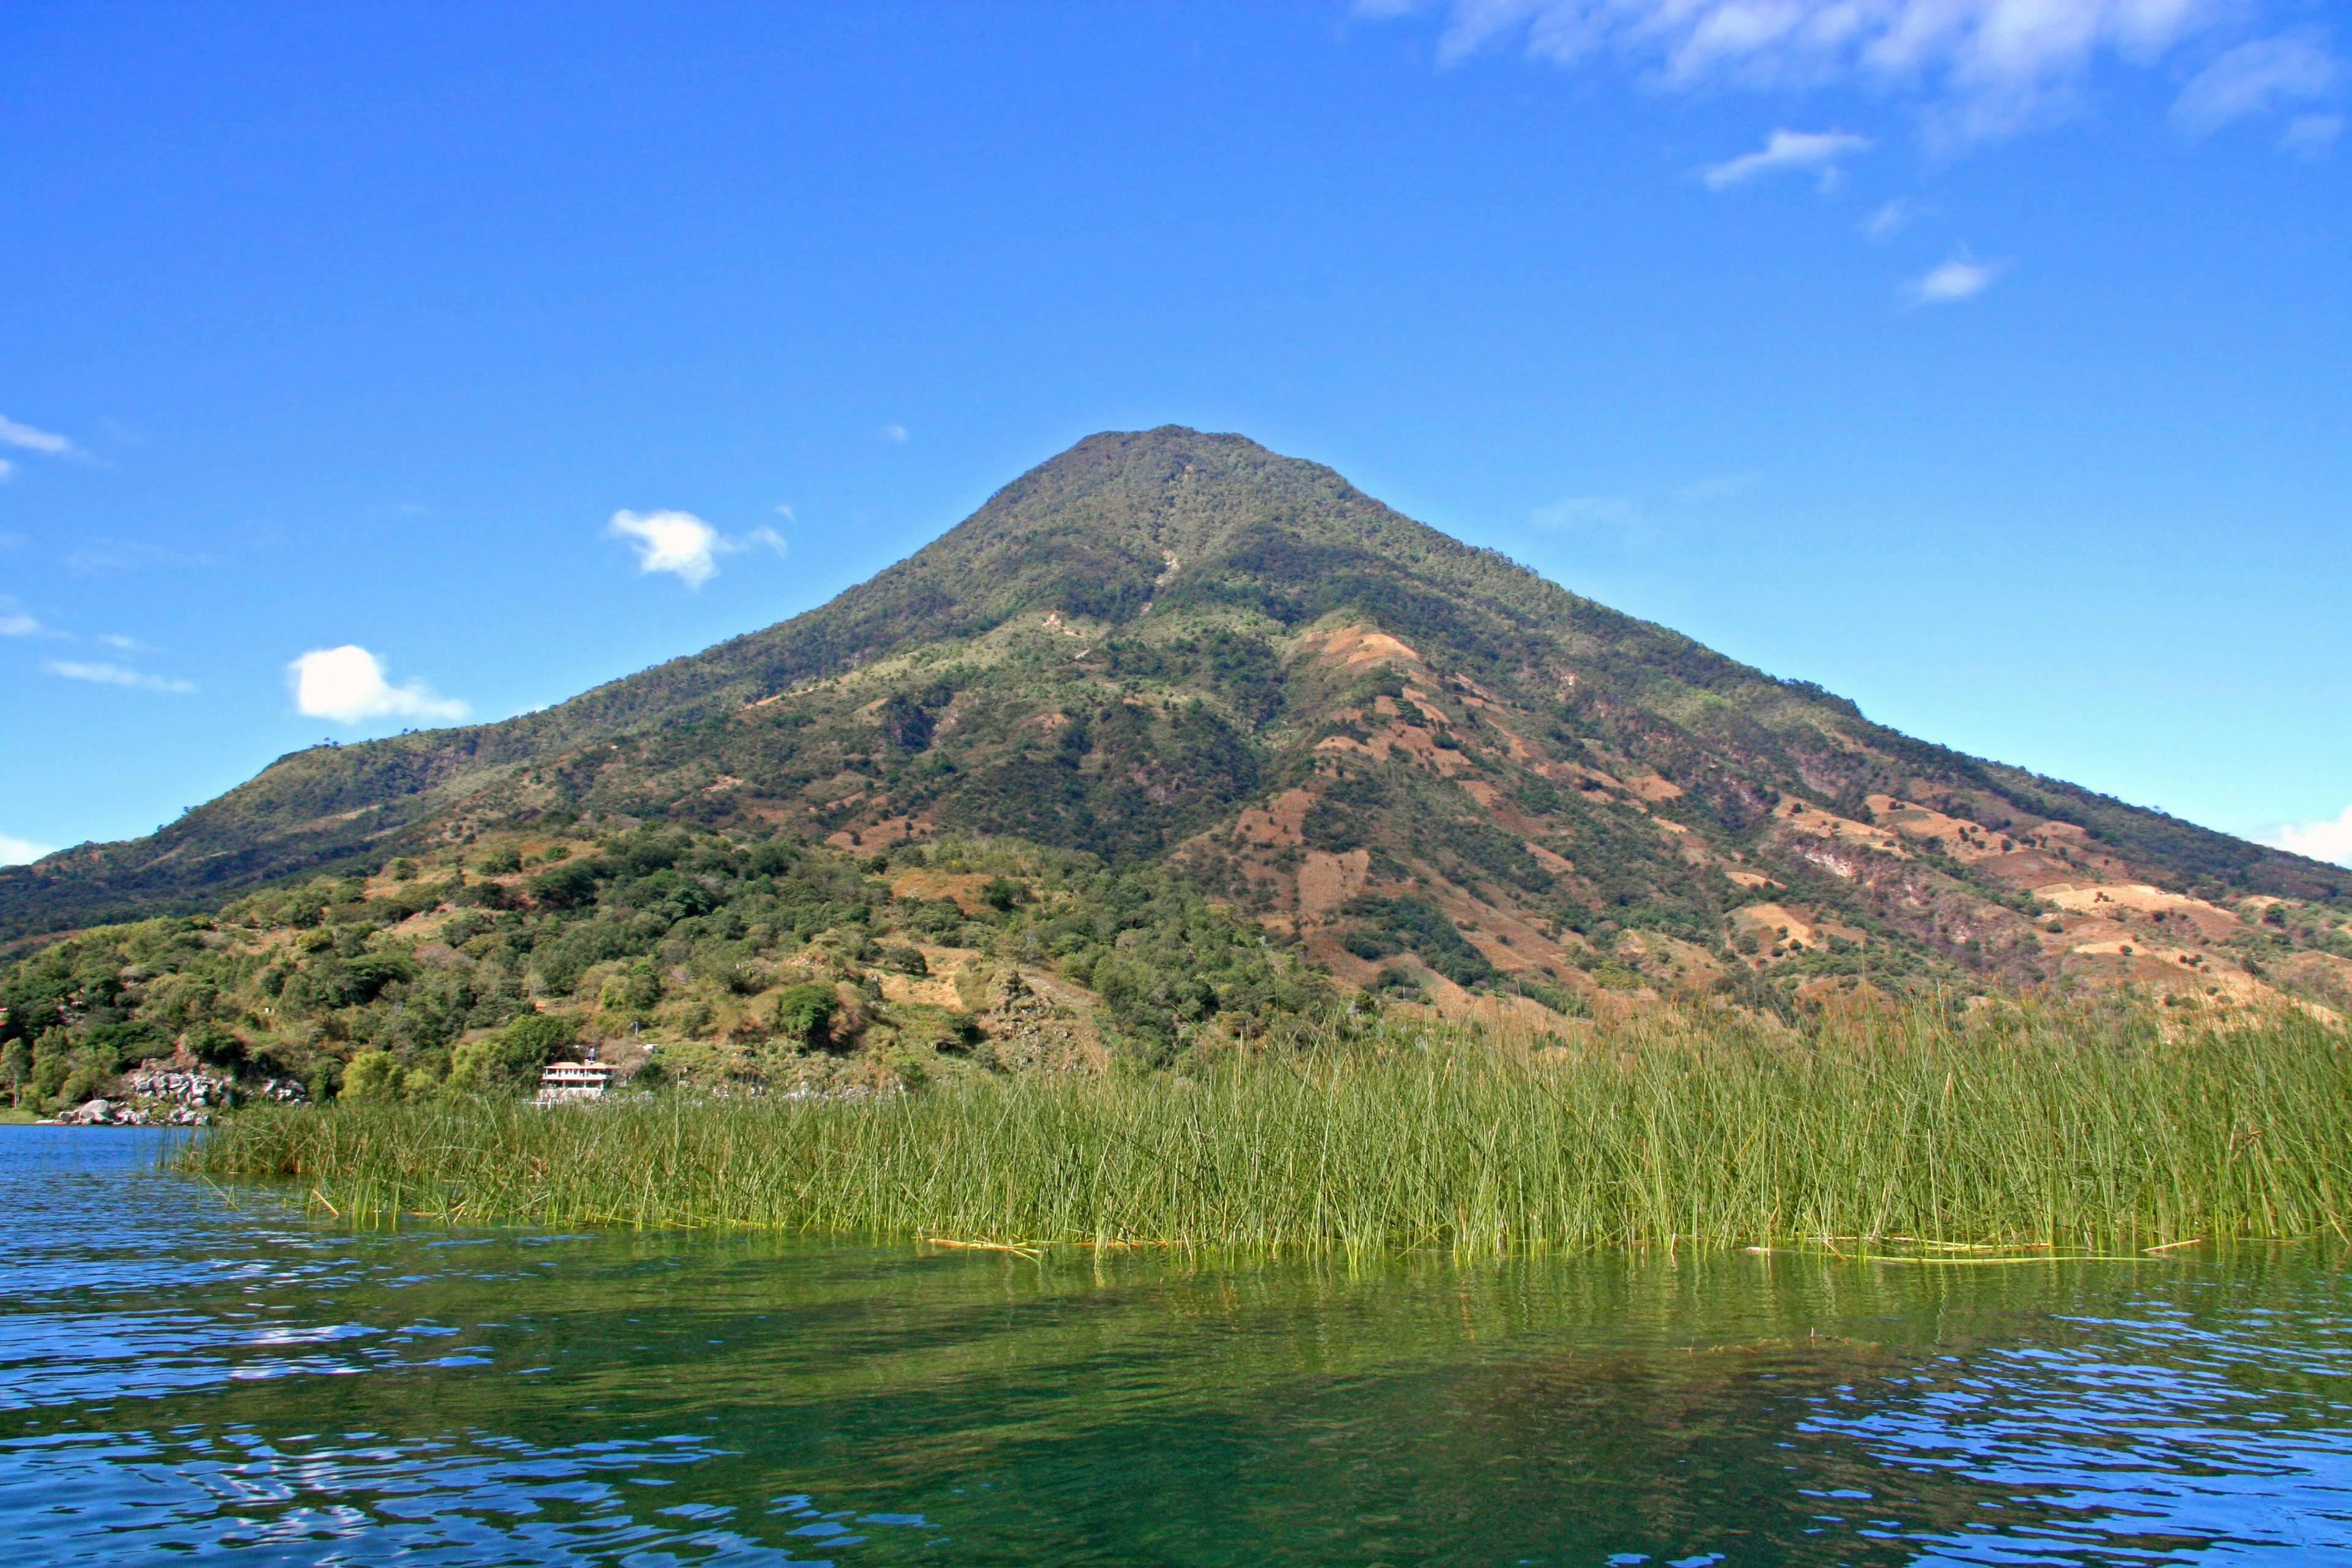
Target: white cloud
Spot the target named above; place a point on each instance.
(684, 546)
(1889, 221)
(2311, 135)
(675, 541)
(1980, 68)
(6, 468)
(1958, 278)
(347, 684)
(2320, 840)
(31, 440)
(1786, 150)
(2253, 79)
(128, 645)
(116, 675)
(16, 851)
(894, 433)
(16, 623)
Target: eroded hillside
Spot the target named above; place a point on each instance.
(1441, 777)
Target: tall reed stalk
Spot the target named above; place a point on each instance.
(2071, 1130)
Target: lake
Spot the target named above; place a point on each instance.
(188, 1372)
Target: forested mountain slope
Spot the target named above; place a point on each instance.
(1437, 773)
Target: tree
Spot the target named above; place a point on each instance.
(373, 1076)
(530, 1043)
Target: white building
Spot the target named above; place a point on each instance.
(573, 1081)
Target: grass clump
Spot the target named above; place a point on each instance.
(2068, 1130)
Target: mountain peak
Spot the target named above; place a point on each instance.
(1179, 648)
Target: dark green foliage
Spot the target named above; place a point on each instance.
(531, 1042)
(1417, 926)
(804, 1015)
(567, 886)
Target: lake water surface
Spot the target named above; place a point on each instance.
(186, 1372)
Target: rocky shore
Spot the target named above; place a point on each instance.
(162, 1094)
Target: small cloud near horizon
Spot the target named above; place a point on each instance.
(347, 684)
(16, 851)
(1786, 150)
(1961, 278)
(25, 437)
(116, 675)
(2325, 840)
(682, 545)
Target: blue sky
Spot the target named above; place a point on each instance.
(1982, 360)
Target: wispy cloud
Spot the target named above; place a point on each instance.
(116, 675)
(127, 645)
(16, 622)
(2320, 840)
(1786, 150)
(1722, 487)
(1977, 68)
(347, 684)
(895, 434)
(682, 545)
(6, 468)
(26, 438)
(16, 851)
(129, 555)
(1961, 278)
(2311, 135)
(2258, 78)
(1614, 514)
(1889, 221)
(1631, 518)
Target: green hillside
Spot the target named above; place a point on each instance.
(1437, 773)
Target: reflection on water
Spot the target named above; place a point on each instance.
(188, 1370)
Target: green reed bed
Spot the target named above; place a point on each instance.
(2070, 1130)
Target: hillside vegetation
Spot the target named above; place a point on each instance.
(1285, 743)
(733, 967)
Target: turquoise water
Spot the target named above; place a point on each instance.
(190, 1373)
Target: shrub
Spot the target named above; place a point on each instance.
(804, 1014)
(373, 1077)
(530, 1043)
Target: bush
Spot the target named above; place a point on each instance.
(530, 1043)
(373, 1077)
(804, 1014)
(214, 1045)
(567, 886)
